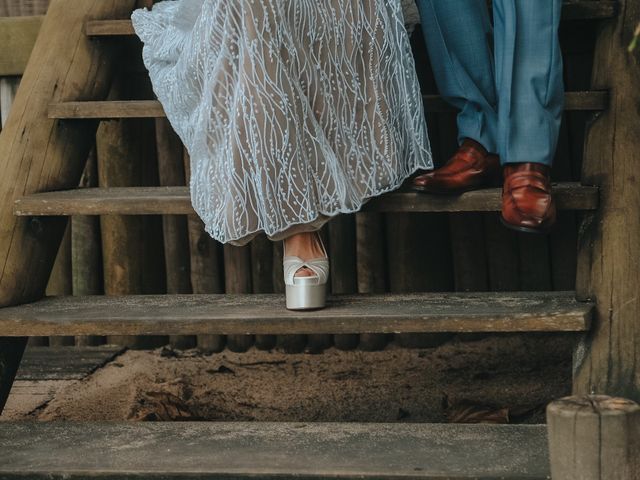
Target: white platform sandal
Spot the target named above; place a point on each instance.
(306, 293)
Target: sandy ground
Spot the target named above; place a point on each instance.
(505, 378)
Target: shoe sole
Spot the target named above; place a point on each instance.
(306, 297)
(517, 228)
(454, 192)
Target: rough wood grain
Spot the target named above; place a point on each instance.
(64, 363)
(370, 264)
(594, 437)
(127, 241)
(343, 274)
(64, 65)
(174, 227)
(607, 362)
(17, 37)
(176, 201)
(272, 451)
(206, 266)
(265, 314)
(237, 280)
(580, 101)
(86, 249)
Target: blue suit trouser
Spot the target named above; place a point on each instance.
(506, 80)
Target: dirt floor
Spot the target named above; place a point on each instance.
(497, 379)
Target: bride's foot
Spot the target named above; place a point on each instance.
(306, 271)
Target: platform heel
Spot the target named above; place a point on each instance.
(306, 293)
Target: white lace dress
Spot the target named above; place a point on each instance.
(292, 111)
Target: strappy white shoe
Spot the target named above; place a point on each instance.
(305, 293)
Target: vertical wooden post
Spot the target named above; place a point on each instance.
(237, 279)
(594, 437)
(205, 265)
(370, 257)
(60, 283)
(262, 279)
(607, 361)
(11, 350)
(174, 227)
(343, 276)
(123, 152)
(86, 250)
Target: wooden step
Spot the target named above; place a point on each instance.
(572, 10)
(257, 450)
(104, 110)
(266, 314)
(176, 201)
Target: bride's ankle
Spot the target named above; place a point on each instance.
(307, 246)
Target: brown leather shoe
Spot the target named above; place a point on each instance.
(527, 203)
(470, 168)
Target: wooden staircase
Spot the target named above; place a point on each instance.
(42, 150)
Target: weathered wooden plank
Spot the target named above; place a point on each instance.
(176, 201)
(608, 264)
(64, 363)
(272, 450)
(265, 314)
(17, 37)
(104, 110)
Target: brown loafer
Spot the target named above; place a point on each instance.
(470, 168)
(527, 203)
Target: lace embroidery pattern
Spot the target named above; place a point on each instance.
(289, 109)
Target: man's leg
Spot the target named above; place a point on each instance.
(528, 79)
(458, 36)
(531, 96)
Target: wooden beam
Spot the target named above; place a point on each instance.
(18, 34)
(594, 437)
(176, 201)
(574, 101)
(37, 153)
(242, 314)
(607, 361)
(270, 451)
(17, 37)
(573, 10)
